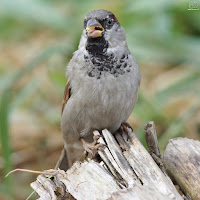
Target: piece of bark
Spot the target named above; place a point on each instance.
(182, 162)
(128, 173)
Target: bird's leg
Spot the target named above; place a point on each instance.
(90, 147)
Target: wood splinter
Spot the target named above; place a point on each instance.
(152, 143)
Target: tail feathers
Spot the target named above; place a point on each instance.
(70, 154)
(63, 161)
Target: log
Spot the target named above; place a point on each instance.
(182, 162)
(125, 170)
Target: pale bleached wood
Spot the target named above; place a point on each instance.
(182, 162)
(149, 173)
(40, 189)
(138, 193)
(127, 173)
(107, 157)
(131, 173)
(89, 180)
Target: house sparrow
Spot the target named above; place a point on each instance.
(103, 79)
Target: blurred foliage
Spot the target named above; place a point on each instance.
(38, 38)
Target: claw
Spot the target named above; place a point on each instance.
(90, 147)
(124, 129)
(126, 125)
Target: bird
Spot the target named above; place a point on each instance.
(103, 79)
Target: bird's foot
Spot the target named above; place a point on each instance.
(90, 148)
(125, 126)
(122, 135)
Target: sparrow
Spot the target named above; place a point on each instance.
(102, 85)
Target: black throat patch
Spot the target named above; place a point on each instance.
(96, 46)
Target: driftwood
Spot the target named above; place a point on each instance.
(125, 170)
(182, 162)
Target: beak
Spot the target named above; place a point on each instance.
(94, 28)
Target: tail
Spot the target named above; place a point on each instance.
(63, 161)
(70, 154)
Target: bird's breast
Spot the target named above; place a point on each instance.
(104, 100)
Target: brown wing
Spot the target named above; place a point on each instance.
(67, 94)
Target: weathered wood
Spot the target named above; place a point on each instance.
(182, 162)
(124, 173)
(139, 193)
(118, 160)
(151, 138)
(147, 170)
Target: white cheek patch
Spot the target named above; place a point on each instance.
(115, 36)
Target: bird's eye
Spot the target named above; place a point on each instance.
(109, 21)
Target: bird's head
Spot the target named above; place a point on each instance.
(101, 32)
